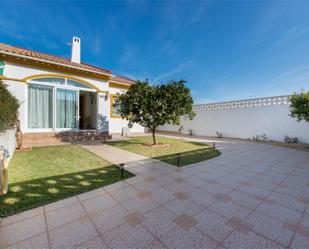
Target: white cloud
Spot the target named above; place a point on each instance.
(130, 55)
(181, 68)
(96, 45)
(297, 74)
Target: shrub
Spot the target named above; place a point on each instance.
(261, 137)
(290, 140)
(300, 106)
(219, 134)
(9, 106)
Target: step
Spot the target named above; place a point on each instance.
(45, 138)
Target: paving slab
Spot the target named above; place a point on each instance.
(252, 196)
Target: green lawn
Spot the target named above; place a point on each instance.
(47, 174)
(190, 152)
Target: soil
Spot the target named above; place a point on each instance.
(158, 145)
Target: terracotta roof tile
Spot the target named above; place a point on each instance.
(122, 79)
(52, 58)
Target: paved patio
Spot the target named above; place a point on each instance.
(252, 196)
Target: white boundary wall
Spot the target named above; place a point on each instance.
(245, 119)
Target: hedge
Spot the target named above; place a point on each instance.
(8, 108)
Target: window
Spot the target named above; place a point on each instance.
(76, 84)
(60, 81)
(40, 107)
(115, 113)
(50, 80)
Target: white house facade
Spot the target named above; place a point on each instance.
(58, 94)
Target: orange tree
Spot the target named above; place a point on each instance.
(155, 105)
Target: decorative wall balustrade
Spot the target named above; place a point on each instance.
(257, 102)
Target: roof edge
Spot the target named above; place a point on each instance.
(54, 63)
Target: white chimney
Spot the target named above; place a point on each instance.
(75, 54)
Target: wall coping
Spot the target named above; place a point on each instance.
(254, 102)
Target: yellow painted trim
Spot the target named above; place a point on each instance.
(14, 79)
(111, 102)
(102, 91)
(118, 85)
(61, 75)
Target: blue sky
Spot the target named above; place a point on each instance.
(224, 49)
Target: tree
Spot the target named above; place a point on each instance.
(9, 106)
(299, 106)
(154, 105)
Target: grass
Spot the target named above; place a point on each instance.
(190, 152)
(47, 174)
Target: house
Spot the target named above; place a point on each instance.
(58, 94)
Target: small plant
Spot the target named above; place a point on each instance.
(261, 137)
(290, 140)
(219, 134)
(190, 132)
(256, 138)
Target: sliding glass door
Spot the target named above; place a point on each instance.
(66, 108)
(53, 103)
(40, 107)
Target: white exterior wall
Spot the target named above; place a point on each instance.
(245, 122)
(116, 124)
(103, 112)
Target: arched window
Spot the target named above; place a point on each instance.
(60, 81)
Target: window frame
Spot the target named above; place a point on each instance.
(65, 85)
(54, 97)
(112, 97)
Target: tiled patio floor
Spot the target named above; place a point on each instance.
(252, 196)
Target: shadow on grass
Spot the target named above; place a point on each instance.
(33, 193)
(189, 157)
(136, 142)
(202, 153)
(124, 142)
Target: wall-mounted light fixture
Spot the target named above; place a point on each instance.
(104, 95)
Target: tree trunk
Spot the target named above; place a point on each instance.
(19, 135)
(154, 136)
